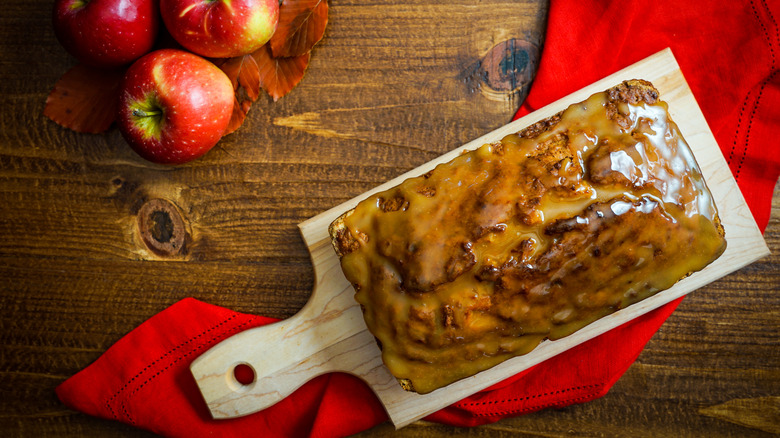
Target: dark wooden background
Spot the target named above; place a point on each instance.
(392, 85)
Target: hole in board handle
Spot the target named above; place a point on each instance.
(243, 376)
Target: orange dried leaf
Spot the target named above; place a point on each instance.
(249, 78)
(244, 74)
(240, 110)
(279, 75)
(301, 25)
(85, 99)
(231, 67)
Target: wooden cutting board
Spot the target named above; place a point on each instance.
(329, 333)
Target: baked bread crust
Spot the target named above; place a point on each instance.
(529, 238)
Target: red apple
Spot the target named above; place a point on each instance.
(221, 28)
(174, 106)
(106, 33)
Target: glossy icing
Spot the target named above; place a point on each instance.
(529, 238)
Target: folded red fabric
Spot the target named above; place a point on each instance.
(729, 53)
(144, 380)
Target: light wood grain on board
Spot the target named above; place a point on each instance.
(329, 335)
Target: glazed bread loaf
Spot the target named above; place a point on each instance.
(528, 238)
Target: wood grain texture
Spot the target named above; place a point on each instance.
(391, 86)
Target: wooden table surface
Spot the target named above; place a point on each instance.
(391, 86)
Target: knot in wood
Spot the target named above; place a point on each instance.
(510, 65)
(162, 227)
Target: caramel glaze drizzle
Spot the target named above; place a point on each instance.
(529, 238)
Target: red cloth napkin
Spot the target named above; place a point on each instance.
(728, 51)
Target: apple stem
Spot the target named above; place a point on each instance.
(78, 4)
(142, 113)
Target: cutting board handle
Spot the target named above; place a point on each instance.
(327, 335)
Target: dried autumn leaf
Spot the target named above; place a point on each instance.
(85, 99)
(244, 74)
(250, 73)
(241, 106)
(301, 25)
(279, 75)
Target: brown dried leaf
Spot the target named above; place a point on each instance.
(250, 73)
(301, 25)
(244, 74)
(240, 110)
(85, 99)
(279, 75)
